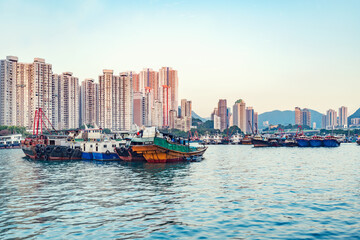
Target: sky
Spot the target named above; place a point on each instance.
(275, 55)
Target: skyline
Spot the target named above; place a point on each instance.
(276, 55)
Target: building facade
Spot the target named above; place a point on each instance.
(8, 87)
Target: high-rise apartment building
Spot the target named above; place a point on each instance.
(222, 109)
(323, 121)
(105, 99)
(239, 114)
(41, 87)
(69, 101)
(8, 87)
(305, 117)
(343, 117)
(88, 101)
(169, 77)
(136, 81)
(56, 80)
(139, 109)
(149, 79)
(331, 119)
(297, 116)
(126, 102)
(166, 104)
(250, 126)
(23, 83)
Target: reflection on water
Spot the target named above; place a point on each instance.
(236, 192)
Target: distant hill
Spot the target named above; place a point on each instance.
(354, 115)
(286, 117)
(194, 115)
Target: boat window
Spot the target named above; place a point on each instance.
(105, 146)
(114, 145)
(52, 142)
(91, 146)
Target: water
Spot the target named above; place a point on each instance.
(236, 192)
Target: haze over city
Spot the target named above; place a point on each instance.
(275, 56)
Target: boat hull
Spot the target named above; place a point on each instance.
(260, 143)
(303, 143)
(157, 154)
(126, 154)
(316, 143)
(331, 143)
(105, 156)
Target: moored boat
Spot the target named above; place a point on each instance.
(303, 141)
(247, 140)
(331, 141)
(259, 141)
(316, 141)
(10, 141)
(162, 149)
(290, 143)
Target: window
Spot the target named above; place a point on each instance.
(105, 146)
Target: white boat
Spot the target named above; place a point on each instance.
(236, 138)
(10, 141)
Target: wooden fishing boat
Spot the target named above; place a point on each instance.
(163, 150)
(247, 140)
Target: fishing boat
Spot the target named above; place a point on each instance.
(290, 143)
(216, 139)
(247, 140)
(303, 141)
(205, 139)
(236, 139)
(316, 141)
(162, 148)
(331, 141)
(95, 145)
(259, 141)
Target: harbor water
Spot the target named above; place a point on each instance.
(235, 192)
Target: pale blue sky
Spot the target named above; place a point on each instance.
(273, 54)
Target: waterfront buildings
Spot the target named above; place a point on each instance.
(8, 85)
(117, 102)
(239, 114)
(297, 116)
(184, 121)
(302, 117)
(343, 117)
(88, 102)
(250, 127)
(69, 101)
(305, 117)
(331, 119)
(223, 114)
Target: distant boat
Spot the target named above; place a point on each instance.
(331, 141)
(303, 141)
(247, 140)
(10, 141)
(259, 141)
(316, 141)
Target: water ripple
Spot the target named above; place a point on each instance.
(236, 192)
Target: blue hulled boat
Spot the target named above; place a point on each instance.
(331, 141)
(303, 141)
(316, 141)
